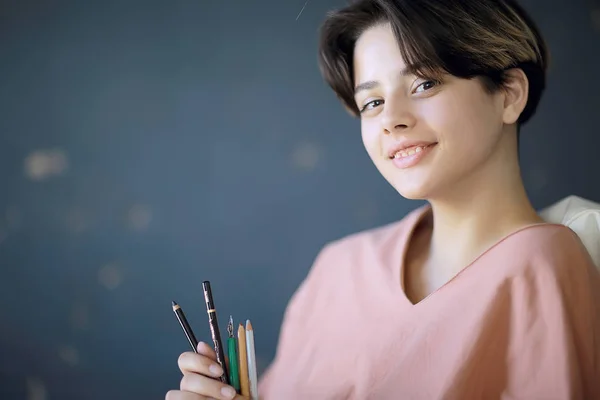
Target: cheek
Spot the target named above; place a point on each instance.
(371, 139)
(460, 121)
(444, 114)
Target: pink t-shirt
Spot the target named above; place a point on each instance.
(520, 322)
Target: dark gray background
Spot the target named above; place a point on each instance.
(146, 146)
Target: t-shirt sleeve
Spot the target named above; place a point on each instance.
(298, 310)
(555, 329)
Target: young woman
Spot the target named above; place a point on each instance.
(472, 296)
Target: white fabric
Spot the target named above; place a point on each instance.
(583, 217)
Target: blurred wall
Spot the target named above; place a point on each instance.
(146, 146)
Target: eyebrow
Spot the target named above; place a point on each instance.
(365, 86)
(373, 84)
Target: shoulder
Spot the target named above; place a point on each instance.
(554, 244)
(356, 255)
(373, 241)
(553, 263)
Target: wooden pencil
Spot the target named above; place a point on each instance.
(214, 329)
(252, 373)
(187, 329)
(243, 362)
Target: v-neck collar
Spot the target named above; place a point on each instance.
(399, 259)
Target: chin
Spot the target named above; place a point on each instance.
(411, 191)
(412, 194)
(412, 185)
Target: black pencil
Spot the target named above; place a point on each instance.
(214, 329)
(187, 329)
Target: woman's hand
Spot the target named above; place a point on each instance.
(200, 380)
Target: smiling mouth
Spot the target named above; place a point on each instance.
(410, 151)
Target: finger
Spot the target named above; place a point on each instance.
(237, 397)
(206, 386)
(179, 395)
(206, 350)
(197, 363)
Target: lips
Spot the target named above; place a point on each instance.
(408, 157)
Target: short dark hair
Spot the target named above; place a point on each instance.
(465, 38)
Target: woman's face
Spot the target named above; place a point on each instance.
(425, 137)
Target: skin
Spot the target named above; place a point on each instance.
(471, 177)
(199, 382)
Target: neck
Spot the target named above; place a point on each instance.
(481, 209)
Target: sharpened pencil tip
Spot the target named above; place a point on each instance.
(248, 325)
(175, 306)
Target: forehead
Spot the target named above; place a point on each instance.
(377, 54)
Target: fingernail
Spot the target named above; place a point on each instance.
(215, 370)
(228, 392)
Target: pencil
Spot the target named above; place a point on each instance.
(234, 376)
(243, 362)
(214, 329)
(252, 374)
(185, 326)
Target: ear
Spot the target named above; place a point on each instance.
(516, 91)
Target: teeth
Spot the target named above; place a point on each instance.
(411, 152)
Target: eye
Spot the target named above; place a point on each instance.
(370, 105)
(427, 85)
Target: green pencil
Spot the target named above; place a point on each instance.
(234, 376)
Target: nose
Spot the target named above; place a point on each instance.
(397, 119)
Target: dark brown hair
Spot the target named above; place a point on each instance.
(464, 38)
